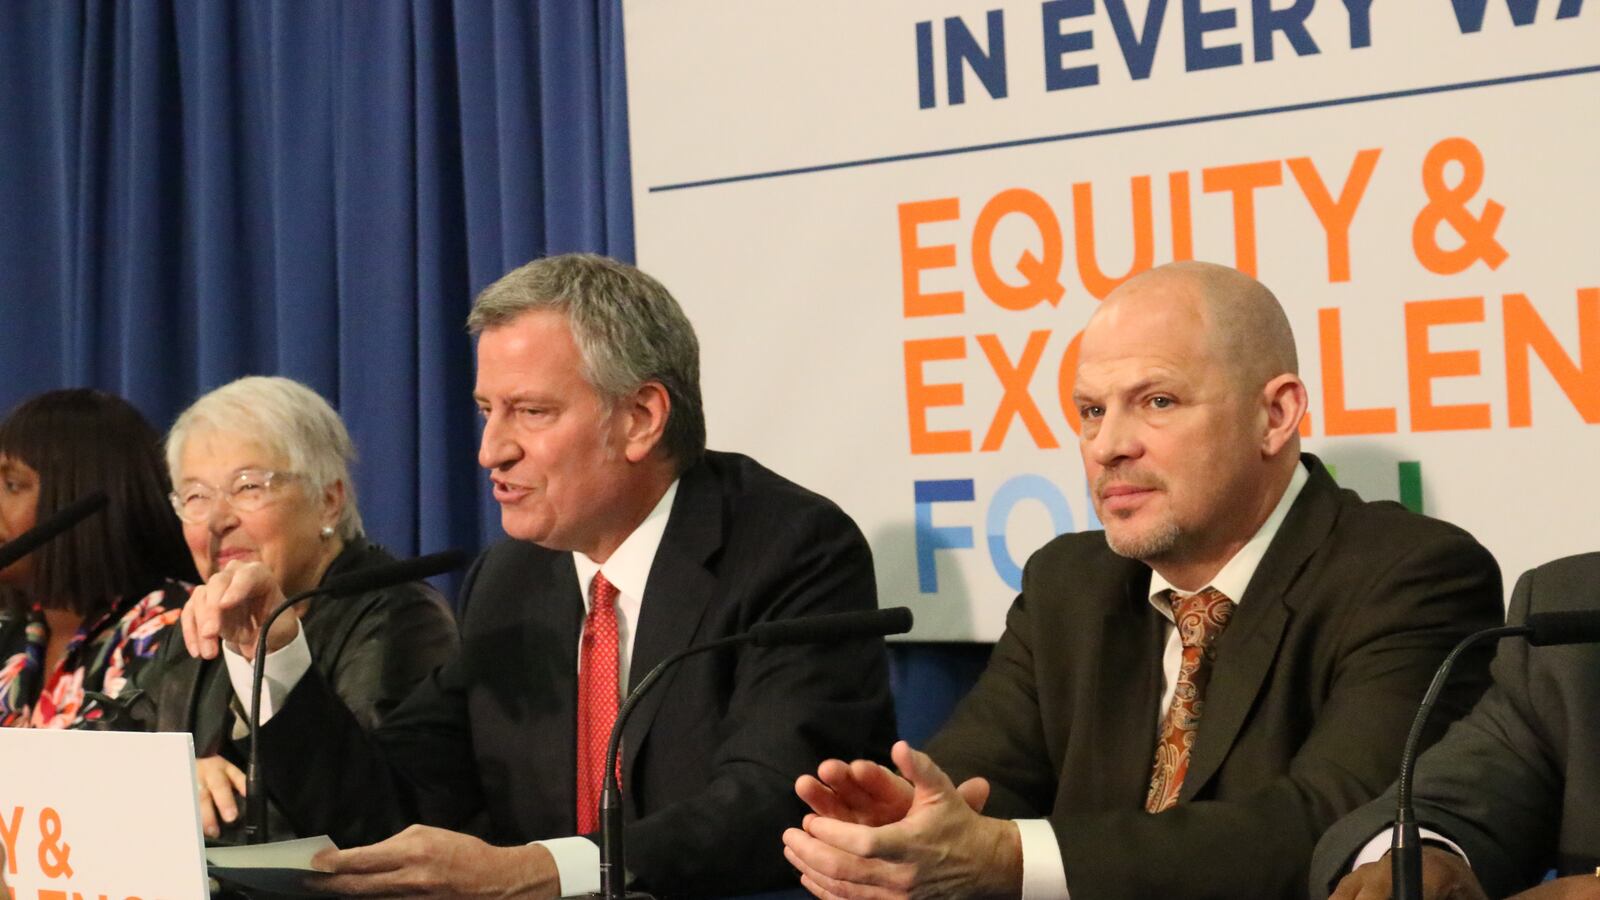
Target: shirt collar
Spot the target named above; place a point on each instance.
(628, 568)
(1235, 575)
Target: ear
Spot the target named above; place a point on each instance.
(333, 502)
(1283, 403)
(643, 420)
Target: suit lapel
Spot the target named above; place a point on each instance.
(1117, 770)
(1246, 650)
(677, 594)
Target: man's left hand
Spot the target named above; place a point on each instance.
(432, 862)
(941, 848)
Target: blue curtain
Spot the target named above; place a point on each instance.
(196, 190)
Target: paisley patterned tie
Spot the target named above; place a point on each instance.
(1200, 619)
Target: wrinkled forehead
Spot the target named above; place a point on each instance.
(216, 456)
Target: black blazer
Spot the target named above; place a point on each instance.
(488, 745)
(1514, 783)
(372, 648)
(1314, 684)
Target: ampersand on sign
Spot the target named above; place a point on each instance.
(53, 856)
(1448, 205)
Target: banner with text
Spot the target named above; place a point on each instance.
(890, 221)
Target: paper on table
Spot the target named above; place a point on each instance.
(281, 866)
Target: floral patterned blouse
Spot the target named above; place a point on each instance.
(101, 657)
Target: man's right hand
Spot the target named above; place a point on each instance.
(1445, 876)
(230, 607)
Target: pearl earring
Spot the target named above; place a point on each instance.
(327, 532)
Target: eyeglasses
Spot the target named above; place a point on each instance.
(250, 490)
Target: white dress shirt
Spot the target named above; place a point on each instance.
(1043, 872)
(628, 569)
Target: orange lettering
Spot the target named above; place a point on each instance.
(1182, 216)
(1043, 274)
(1526, 332)
(1335, 215)
(1340, 419)
(1067, 381)
(1098, 283)
(920, 396)
(8, 835)
(1242, 181)
(916, 258)
(1016, 402)
(1424, 365)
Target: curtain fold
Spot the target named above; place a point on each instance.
(194, 191)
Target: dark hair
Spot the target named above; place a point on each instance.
(80, 440)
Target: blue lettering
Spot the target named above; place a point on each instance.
(931, 537)
(1360, 12)
(1196, 22)
(1057, 45)
(1469, 13)
(988, 64)
(1138, 51)
(1291, 21)
(925, 95)
(1012, 492)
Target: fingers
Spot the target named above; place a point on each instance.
(219, 780)
(975, 791)
(819, 797)
(832, 872)
(920, 769)
(849, 837)
(1367, 882)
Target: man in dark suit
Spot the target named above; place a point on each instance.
(1178, 706)
(631, 542)
(1514, 786)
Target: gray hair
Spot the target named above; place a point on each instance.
(285, 417)
(628, 329)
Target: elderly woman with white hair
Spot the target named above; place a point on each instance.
(260, 473)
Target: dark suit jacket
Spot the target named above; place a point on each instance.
(1515, 783)
(488, 745)
(1315, 680)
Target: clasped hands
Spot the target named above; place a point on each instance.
(873, 834)
(1446, 876)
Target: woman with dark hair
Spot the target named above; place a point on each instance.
(94, 599)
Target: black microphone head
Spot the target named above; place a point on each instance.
(833, 627)
(1578, 626)
(399, 572)
(53, 525)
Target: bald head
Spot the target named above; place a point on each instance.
(1245, 326)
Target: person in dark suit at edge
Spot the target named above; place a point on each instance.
(629, 541)
(1179, 706)
(1511, 791)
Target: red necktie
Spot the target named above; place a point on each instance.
(597, 698)
(1200, 619)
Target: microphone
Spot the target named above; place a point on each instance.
(358, 582)
(58, 522)
(1547, 629)
(808, 630)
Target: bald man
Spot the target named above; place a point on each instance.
(1180, 704)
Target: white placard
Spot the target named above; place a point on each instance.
(889, 220)
(100, 814)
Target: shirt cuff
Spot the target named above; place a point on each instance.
(284, 669)
(577, 864)
(1044, 875)
(1374, 849)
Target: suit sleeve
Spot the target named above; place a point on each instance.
(789, 708)
(1491, 785)
(332, 776)
(400, 640)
